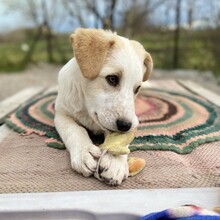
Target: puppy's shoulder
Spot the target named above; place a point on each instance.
(67, 69)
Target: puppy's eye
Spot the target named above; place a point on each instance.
(137, 89)
(112, 80)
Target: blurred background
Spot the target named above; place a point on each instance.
(183, 37)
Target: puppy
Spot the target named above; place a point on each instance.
(96, 93)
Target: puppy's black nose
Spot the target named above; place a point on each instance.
(123, 125)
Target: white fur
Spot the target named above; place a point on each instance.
(95, 105)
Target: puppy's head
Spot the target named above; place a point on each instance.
(113, 70)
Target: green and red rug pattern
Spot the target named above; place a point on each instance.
(168, 121)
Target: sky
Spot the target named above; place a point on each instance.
(13, 19)
(7, 20)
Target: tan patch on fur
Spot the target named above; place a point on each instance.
(147, 60)
(149, 65)
(90, 49)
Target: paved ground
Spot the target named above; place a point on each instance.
(42, 74)
(204, 78)
(46, 75)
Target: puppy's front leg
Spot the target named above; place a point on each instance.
(83, 153)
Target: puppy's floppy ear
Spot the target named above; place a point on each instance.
(90, 49)
(145, 56)
(148, 62)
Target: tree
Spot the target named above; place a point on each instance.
(137, 15)
(190, 11)
(176, 35)
(105, 17)
(75, 9)
(42, 14)
(81, 10)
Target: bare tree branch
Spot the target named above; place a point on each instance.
(75, 8)
(92, 6)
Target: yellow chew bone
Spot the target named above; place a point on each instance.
(117, 143)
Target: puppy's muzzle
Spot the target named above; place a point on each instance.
(123, 125)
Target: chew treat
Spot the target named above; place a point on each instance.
(135, 165)
(117, 143)
(217, 209)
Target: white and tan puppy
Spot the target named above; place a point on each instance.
(96, 92)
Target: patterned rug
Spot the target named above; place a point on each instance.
(168, 121)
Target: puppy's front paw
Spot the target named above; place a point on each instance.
(84, 160)
(113, 169)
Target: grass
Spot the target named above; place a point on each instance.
(197, 50)
(11, 57)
